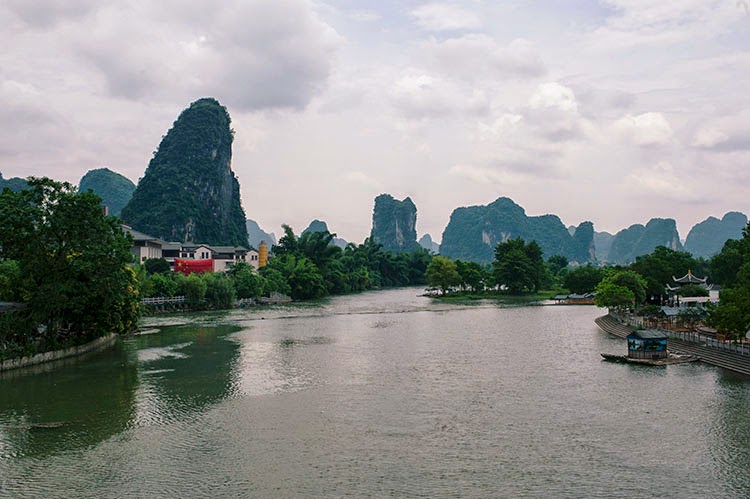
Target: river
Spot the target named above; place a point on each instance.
(382, 394)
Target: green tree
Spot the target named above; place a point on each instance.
(583, 279)
(658, 267)
(247, 282)
(518, 266)
(10, 280)
(473, 276)
(194, 289)
(220, 292)
(611, 295)
(157, 266)
(731, 316)
(442, 273)
(301, 275)
(73, 259)
(630, 280)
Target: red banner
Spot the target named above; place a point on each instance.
(193, 266)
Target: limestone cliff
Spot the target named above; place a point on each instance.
(189, 192)
(394, 223)
(639, 240)
(708, 237)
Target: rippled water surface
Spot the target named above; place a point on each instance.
(372, 395)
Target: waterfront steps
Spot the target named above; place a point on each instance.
(710, 355)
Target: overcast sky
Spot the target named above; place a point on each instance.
(613, 111)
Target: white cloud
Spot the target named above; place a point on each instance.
(553, 95)
(647, 129)
(709, 137)
(476, 56)
(445, 17)
(662, 179)
(361, 178)
(419, 96)
(485, 175)
(501, 126)
(365, 16)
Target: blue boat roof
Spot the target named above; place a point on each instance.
(648, 334)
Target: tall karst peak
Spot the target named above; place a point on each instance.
(189, 191)
(394, 223)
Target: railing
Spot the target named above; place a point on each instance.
(690, 336)
(163, 300)
(703, 340)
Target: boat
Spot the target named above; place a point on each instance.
(672, 358)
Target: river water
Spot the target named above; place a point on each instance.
(382, 394)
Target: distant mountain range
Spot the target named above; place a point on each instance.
(114, 189)
(320, 226)
(707, 237)
(255, 235)
(15, 184)
(427, 243)
(473, 232)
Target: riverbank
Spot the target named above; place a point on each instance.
(41, 358)
(464, 296)
(710, 355)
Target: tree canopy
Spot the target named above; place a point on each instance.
(73, 261)
(518, 265)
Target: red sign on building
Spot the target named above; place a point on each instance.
(193, 266)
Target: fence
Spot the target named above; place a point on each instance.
(163, 300)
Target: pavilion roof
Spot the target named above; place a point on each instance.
(689, 278)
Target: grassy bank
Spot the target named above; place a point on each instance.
(459, 296)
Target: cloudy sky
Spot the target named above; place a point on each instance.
(613, 111)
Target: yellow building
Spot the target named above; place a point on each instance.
(262, 254)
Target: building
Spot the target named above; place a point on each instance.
(648, 344)
(224, 257)
(144, 246)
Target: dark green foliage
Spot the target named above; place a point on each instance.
(73, 262)
(247, 283)
(220, 293)
(732, 316)
(302, 276)
(583, 279)
(442, 273)
(194, 290)
(473, 276)
(611, 289)
(189, 192)
(473, 232)
(661, 265)
(114, 189)
(394, 224)
(725, 266)
(518, 266)
(157, 266)
(638, 240)
(611, 295)
(707, 238)
(10, 281)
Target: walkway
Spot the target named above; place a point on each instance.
(732, 357)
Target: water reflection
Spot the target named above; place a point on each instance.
(729, 429)
(183, 370)
(50, 409)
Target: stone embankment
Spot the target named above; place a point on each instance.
(40, 358)
(710, 355)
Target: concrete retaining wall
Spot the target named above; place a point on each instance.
(40, 358)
